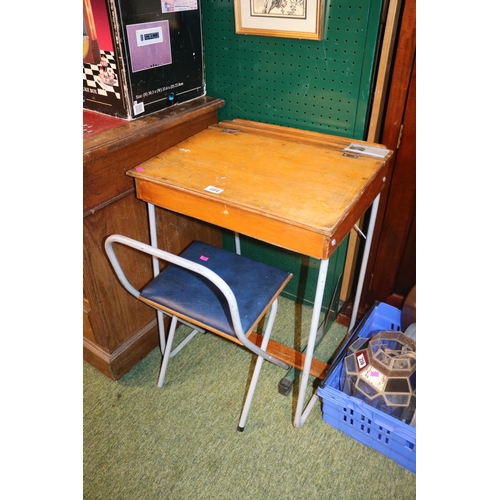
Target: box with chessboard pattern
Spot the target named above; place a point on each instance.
(141, 56)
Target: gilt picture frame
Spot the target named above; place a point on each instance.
(280, 18)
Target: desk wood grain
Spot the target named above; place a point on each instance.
(288, 187)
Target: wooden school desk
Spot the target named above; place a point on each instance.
(291, 188)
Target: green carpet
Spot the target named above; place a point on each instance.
(180, 442)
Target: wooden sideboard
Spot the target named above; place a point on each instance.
(119, 331)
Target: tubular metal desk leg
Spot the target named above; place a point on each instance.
(156, 270)
(286, 383)
(300, 417)
(366, 254)
(237, 243)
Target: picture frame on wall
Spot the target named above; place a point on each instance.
(280, 18)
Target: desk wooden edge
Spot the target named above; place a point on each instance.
(290, 133)
(305, 240)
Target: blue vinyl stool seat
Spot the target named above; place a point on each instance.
(209, 288)
(193, 296)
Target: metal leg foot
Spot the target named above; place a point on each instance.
(286, 384)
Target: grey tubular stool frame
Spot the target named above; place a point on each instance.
(240, 336)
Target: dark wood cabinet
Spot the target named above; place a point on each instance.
(391, 267)
(391, 271)
(119, 331)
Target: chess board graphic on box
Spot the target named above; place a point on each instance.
(141, 56)
(103, 93)
(102, 78)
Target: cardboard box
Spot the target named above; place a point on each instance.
(141, 56)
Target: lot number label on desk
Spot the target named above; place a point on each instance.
(213, 189)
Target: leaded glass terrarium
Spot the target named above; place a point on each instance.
(381, 371)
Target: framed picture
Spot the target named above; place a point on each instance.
(281, 18)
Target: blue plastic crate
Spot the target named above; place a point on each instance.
(364, 423)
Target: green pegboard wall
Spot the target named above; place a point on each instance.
(323, 86)
(302, 287)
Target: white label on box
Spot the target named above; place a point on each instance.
(138, 108)
(178, 5)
